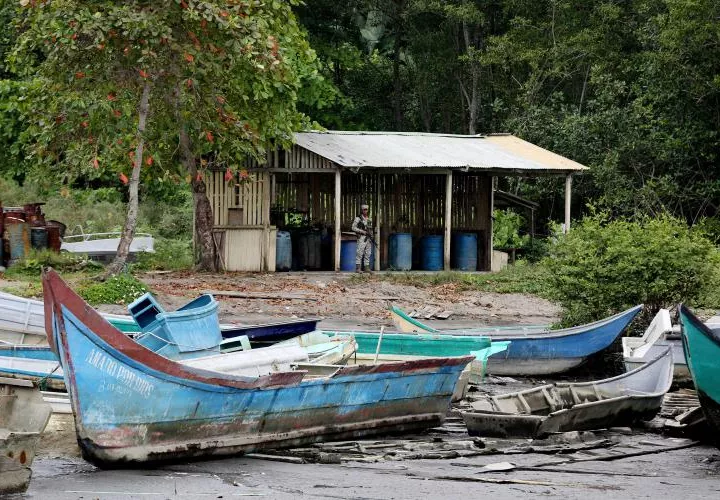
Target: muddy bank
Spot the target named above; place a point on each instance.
(341, 299)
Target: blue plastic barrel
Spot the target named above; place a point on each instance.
(432, 252)
(348, 249)
(283, 251)
(464, 251)
(400, 251)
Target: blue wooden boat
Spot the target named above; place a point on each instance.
(549, 351)
(407, 324)
(22, 322)
(269, 333)
(134, 406)
(31, 362)
(177, 334)
(701, 344)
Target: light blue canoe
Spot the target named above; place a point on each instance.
(30, 362)
(133, 406)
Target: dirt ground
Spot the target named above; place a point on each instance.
(344, 300)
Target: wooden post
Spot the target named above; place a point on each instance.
(378, 211)
(338, 177)
(568, 190)
(266, 220)
(448, 217)
(491, 199)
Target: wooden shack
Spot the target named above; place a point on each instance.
(415, 183)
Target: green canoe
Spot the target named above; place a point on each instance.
(701, 345)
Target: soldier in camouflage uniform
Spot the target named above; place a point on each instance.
(361, 226)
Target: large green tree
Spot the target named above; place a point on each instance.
(159, 90)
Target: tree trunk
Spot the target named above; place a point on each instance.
(128, 232)
(397, 52)
(207, 258)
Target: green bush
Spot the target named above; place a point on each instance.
(121, 289)
(169, 255)
(602, 266)
(36, 260)
(506, 230)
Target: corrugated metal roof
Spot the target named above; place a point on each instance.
(420, 150)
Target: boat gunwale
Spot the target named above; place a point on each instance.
(545, 334)
(685, 311)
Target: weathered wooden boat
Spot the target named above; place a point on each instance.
(269, 333)
(701, 344)
(40, 364)
(621, 400)
(31, 362)
(22, 322)
(23, 417)
(658, 336)
(407, 324)
(403, 344)
(549, 351)
(134, 406)
(374, 347)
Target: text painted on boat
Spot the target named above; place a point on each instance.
(127, 379)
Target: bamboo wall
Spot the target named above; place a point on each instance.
(410, 202)
(244, 199)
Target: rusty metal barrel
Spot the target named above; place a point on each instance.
(39, 238)
(18, 233)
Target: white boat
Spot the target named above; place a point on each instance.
(309, 349)
(22, 321)
(105, 244)
(562, 407)
(307, 352)
(23, 417)
(660, 335)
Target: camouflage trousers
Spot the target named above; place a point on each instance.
(364, 247)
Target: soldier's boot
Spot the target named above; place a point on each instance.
(357, 268)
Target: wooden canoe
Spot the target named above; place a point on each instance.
(134, 406)
(22, 322)
(658, 336)
(40, 364)
(701, 344)
(407, 324)
(23, 417)
(547, 352)
(621, 400)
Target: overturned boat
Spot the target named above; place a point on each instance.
(134, 406)
(658, 336)
(621, 400)
(23, 417)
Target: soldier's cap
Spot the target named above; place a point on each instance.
(364, 206)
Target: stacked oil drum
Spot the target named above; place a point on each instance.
(25, 227)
